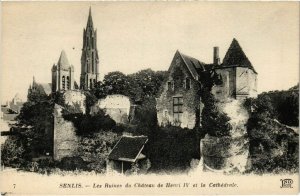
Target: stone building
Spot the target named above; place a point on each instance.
(89, 57)
(179, 102)
(62, 74)
(238, 74)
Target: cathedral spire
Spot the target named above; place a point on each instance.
(90, 19)
(89, 57)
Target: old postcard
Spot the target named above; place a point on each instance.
(149, 98)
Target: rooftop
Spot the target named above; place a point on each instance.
(128, 148)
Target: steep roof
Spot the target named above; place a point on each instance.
(128, 148)
(63, 60)
(47, 87)
(194, 65)
(235, 56)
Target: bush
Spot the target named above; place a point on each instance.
(271, 143)
(95, 149)
(12, 152)
(145, 118)
(173, 148)
(73, 163)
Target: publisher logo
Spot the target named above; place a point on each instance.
(286, 183)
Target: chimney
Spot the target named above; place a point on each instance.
(216, 56)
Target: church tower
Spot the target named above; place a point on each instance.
(62, 74)
(89, 58)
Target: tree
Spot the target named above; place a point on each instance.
(147, 82)
(116, 83)
(266, 136)
(214, 122)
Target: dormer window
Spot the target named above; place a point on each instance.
(187, 83)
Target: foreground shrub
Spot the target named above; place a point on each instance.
(12, 152)
(73, 163)
(273, 146)
(94, 149)
(173, 148)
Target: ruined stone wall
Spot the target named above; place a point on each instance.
(228, 153)
(191, 100)
(65, 140)
(116, 106)
(75, 98)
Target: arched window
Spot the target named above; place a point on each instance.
(68, 82)
(63, 83)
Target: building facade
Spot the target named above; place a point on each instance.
(89, 58)
(179, 101)
(62, 74)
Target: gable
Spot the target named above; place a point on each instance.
(194, 66)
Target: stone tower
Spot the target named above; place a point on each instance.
(89, 58)
(62, 74)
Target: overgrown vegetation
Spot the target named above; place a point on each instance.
(138, 86)
(172, 149)
(285, 104)
(214, 122)
(273, 146)
(87, 124)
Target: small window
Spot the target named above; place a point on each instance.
(170, 86)
(188, 83)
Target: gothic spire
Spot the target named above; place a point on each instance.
(90, 19)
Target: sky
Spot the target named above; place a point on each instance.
(137, 35)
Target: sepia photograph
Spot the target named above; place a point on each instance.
(149, 97)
